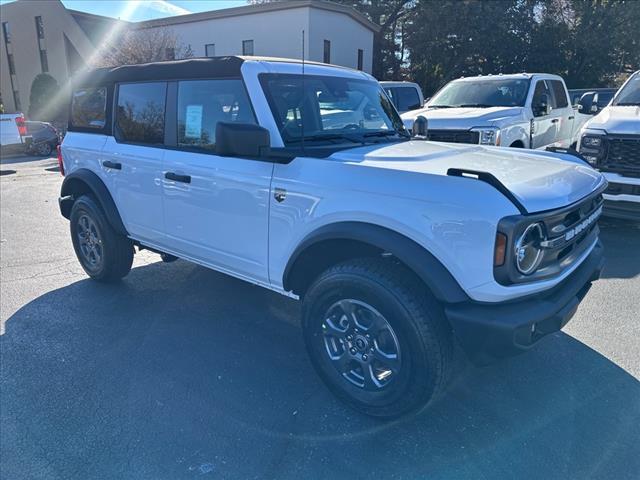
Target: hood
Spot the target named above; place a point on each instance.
(617, 120)
(462, 118)
(539, 180)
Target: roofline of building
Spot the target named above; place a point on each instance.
(94, 16)
(260, 8)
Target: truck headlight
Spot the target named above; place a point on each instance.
(488, 135)
(592, 146)
(528, 251)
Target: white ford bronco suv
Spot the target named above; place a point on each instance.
(523, 110)
(610, 142)
(302, 179)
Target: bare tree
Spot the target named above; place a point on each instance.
(142, 46)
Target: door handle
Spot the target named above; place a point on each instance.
(177, 178)
(555, 120)
(571, 118)
(280, 194)
(112, 165)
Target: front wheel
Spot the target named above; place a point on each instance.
(104, 254)
(377, 337)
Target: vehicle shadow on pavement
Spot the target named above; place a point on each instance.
(181, 372)
(620, 239)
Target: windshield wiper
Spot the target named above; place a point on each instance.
(318, 138)
(628, 104)
(385, 133)
(440, 106)
(475, 105)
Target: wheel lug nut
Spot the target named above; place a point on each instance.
(371, 349)
(368, 336)
(353, 351)
(365, 357)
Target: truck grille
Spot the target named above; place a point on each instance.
(622, 156)
(453, 136)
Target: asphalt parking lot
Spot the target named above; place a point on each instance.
(181, 372)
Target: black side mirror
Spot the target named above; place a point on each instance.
(588, 103)
(242, 140)
(541, 108)
(420, 127)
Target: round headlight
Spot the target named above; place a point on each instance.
(527, 249)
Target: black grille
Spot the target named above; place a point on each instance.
(453, 136)
(623, 155)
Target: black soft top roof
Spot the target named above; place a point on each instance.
(212, 67)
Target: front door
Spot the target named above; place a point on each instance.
(545, 123)
(216, 209)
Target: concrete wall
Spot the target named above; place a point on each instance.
(24, 40)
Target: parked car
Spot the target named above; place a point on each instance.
(520, 110)
(602, 96)
(43, 138)
(12, 131)
(610, 141)
(406, 96)
(397, 247)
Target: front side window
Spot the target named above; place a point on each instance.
(630, 93)
(541, 89)
(332, 109)
(406, 98)
(140, 112)
(88, 107)
(204, 103)
(482, 93)
(559, 94)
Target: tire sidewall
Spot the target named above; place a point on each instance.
(86, 206)
(416, 375)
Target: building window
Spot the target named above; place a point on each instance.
(327, 52)
(39, 27)
(6, 32)
(210, 50)
(360, 58)
(140, 113)
(44, 63)
(170, 53)
(247, 47)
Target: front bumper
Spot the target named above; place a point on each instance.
(489, 331)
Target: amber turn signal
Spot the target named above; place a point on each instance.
(500, 250)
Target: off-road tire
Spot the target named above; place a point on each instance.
(116, 250)
(413, 313)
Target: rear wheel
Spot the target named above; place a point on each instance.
(104, 254)
(377, 337)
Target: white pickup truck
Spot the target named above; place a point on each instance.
(610, 141)
(12, 131)
(520, 110)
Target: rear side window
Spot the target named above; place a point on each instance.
(204, 103)
(88, 108)
(559, 93)
(140, 112)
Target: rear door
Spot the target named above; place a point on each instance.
(132, 158)
(216, 208)
(563, 114)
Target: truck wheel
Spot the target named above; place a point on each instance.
(377, 337)
(104, 254)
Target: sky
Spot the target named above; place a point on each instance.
(137, 10)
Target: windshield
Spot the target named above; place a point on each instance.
(630, 93)
(330, 109)
(482, 93)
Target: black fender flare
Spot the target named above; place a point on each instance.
(83, 181)
(416, 257)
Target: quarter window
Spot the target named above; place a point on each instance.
(88, 108)
(140, 112)
(204, 103)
